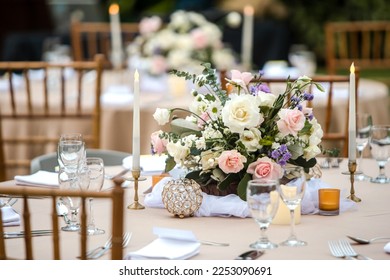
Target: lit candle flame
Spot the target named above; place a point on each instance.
(352, 69)
(114, 9)
(248, 10)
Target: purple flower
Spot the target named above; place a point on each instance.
(264, 88)
(308, 96)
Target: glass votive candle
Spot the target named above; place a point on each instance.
(329, 202)
(157, 178)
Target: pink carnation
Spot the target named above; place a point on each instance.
(231, 161)
(265, 168)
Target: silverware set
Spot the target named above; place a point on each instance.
(343, 249)
(21, 234)
(101, 250)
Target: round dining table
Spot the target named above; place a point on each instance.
(367, 219)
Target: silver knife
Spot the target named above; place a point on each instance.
(20, 234)
(250, 255)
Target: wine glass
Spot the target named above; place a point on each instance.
(263, 201)
(292, 193)
(95, 168)
(380, 150)
(363, 125)
(68, 181)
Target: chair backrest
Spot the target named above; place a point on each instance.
(335, 131)
(115, 196)
(48, 162)
(366, 43)
(45, 100)
(90, 38)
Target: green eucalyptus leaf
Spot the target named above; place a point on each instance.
(169, 164)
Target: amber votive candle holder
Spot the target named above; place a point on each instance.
(329, 202)
(158, 177)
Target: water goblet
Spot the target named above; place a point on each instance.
(292, 193)
(380, 150)
(363, 125)
(263, 201)
(70, 151)
(95, 167)
(68, 181)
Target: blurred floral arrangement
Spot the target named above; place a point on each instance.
(183, 43)
(230, 137)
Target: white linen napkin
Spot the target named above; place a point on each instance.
(39, 179)
(221, 206)
(171, 244)
(233, 205)
(387, 248)
(10, 216)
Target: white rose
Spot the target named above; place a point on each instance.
(311, 152)
(250, 139)
(242, 112)
(178, 151)
(266, 99)
(233, 19)
(316, 133)
(162, 116)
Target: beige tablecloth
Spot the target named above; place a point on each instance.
(368, 219)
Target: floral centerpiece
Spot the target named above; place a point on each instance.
(231, 137)
(183, 43)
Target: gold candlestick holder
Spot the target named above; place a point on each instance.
(136, 178)
(352, 169)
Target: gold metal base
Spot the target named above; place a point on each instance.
(136, 177)
(352, 169)
(136, 206)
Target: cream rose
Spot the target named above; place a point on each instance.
(265, 168)
(291, 121)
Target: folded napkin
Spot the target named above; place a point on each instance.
(171, 244)
(387, 248)
(10, 216)
(233, 205)
(221, 206)
(118, 95)
(39, 179)
(150, 164)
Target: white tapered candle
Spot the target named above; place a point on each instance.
(352, 116)
(116, 37)
(136, 124)
(247, 38)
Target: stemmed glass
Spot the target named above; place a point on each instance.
(263, 201)
(380, 150)
(292, 194)
(95, 170)
(67, 181)
(70, 153)
(363, 125)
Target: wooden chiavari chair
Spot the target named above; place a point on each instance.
(37, 104)
(115, 196)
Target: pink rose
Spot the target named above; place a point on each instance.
(158, 144)
(291, 121)
(231, 161)
(241, 78)
(265, 168)
(199, 38)
(150, 24)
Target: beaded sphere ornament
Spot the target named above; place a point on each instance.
(182, 197)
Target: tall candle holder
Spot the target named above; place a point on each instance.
(136, 178)
(352, 169)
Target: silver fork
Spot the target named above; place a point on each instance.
(94, 251)
(347, 249)
(336, 251)
(125, 242)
